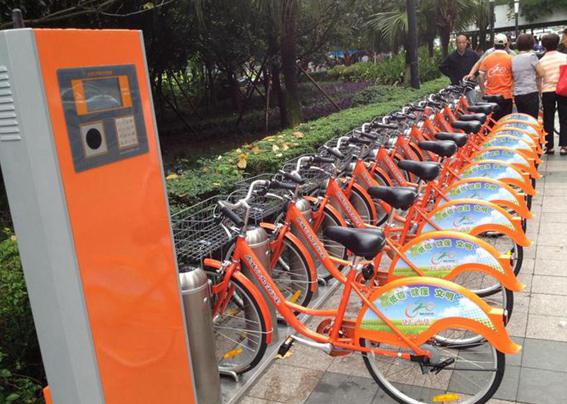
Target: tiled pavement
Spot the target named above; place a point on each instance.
(538, 375)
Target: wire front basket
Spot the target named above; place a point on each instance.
(198, 231)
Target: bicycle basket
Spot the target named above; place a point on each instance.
(198, 230)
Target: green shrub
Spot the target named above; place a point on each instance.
(216, 174)
(21, 371)
(387, 71)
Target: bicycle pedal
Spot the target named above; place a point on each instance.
(285, 347)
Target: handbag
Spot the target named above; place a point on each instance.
(562, 82)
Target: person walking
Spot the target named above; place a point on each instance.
(459, 63)
(496, 76)
(549, 67)
(526, 76)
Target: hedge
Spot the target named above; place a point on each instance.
(216, 174)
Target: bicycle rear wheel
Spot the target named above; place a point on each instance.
(472, 378)
(240, 329)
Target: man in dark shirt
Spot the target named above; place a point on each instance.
(459, 63)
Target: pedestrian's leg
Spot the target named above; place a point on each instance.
(562, 110)
(507, 107)
(548, 102)
(522, 103)
(531, 104)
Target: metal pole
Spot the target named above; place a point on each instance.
(17, 18)
(491, 3)
(412, 43)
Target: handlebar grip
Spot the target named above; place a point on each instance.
(319, 159)
(294, 177)
(335, 152)
(233, 217)
(369, 136)
(282, 185)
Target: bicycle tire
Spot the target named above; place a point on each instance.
(336, 250)
(392, 391)
(261, 329)
(361, 206)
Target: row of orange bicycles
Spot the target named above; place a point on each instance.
(419, 215)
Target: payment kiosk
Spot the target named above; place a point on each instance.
(82, 166)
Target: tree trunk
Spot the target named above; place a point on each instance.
(445, 34)
(431, 46)
(289, 57)
(277, 89)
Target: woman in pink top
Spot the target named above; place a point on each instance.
(548, 69)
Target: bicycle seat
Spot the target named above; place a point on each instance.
(396, 197)
(483, 108)
(493, 98)
(473, 117)
(460, 139)
(424, 170)
(365, 243)
(443, 148)
(467, 126)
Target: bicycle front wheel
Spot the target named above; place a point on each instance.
(240, 329)
(471, 375)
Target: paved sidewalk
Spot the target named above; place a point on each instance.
(538, 375)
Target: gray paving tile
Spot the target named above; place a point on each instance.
(521, 303)
(552, 252)
(553, 204)
(544, 354)
(340, 388)
(517, 325)
(552, 228)
(287, 384)
(544, 266)
(555, 239)
(551, 285)
(528, 265)
(508, 389)
(516, 360)
(306, 357)
(349, 365)
(546, 327)
(420, 393)
(548, 305)
(526, 279)
(542, 386)
(548, 217)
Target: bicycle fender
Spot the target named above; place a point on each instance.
(510, 156)
(421, 307)
(292, 238)
(521, 146)
(253, 290)
(261, 302)
(519, 116)
(446, 254)
(475, 217)
(487, 189)
(533, 130)
(500, 171)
